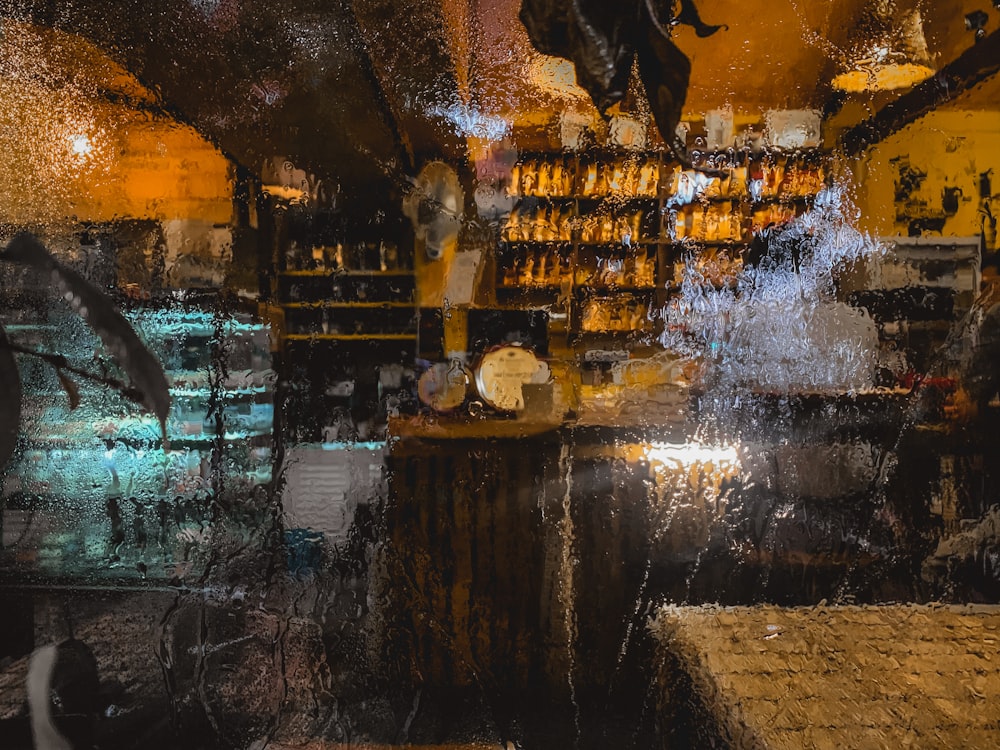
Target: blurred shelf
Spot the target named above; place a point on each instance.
(344, 445)
(616, 332)
(693, 244)
(14, 327)
(202, 329)
(225, 393)
(530, 288)
(573, 191)
(636, 244)
(622, 246)
(345, 272)
(568, 244)
(609, 150)
(613, 197)
(320, 305)
(463, 427)
(236, 380)
(745, 198)
(351, 336)
(96, 440)
(615, 289)
(206, 438)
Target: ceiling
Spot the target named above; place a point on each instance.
(773, 54)
(365, 90)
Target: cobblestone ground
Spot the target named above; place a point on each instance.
(831, 677)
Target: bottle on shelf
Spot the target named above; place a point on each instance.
(514, 185)
(649, 178)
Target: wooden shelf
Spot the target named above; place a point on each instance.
(570, 244)
(745, 198)
(614, 197)
(359, 272)
(693, 244)
(568, 173)
(567, 244)
(226, 394)
(526, 291)
(305, 273)
(345, 272)
(669, 199)
(524, 287)
(464, 427)
(616, 289)
(351, 337)
(646, 241)
(616, 332)
(324, 304)
(599, 152)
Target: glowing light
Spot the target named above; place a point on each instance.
(293, 195)
(689, 454)
(557, 76)
(897, 58)
(879, 77)
(80, 145)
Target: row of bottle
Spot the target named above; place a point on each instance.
(716, 222)
(632, 176)
(330, 323)
(552, 268)
(713, 222)
(192, 417)
(364, 256)
(554, 223)
(629, 176)
(340, 289)
(246, 350)
(624, 313)
(538, 268)
(721, 222)
(635, 270)
(757, 182)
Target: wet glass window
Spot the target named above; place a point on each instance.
(511, 373)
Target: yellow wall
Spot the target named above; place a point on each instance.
(136, 167)
(952, 148)
(68, 153)
(167, 171)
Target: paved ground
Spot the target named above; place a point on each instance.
(831, 677)
(748, 677)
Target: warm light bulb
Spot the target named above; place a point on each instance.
(80, 144)
(688, 454)
(556, 76)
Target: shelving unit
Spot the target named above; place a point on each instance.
(344, 327)
(350, 323)
(349, 307)
(603, 236)
(218, 368)
(80, 469)
(350, 337)
(585, 231)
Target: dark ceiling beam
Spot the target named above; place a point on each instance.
(978, 63)
(392, 115)
(409, 47)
